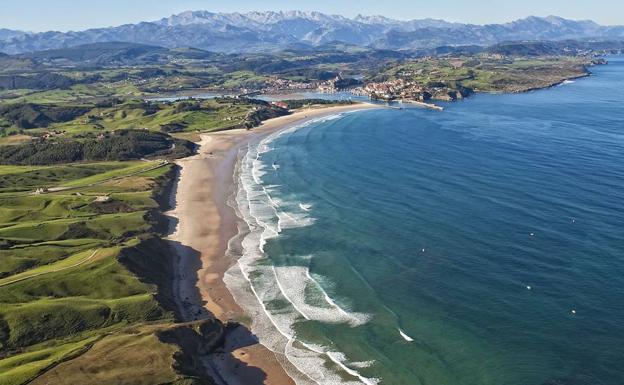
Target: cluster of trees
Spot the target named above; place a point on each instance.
(29, 115)
(255, 118)
(186, 106)
(119, 145)
(173, 127)
(40, 81)
(109, 102)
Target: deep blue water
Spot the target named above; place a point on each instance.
(491, 234)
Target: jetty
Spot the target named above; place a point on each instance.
(423, 104)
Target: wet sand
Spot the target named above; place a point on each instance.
(202, 225)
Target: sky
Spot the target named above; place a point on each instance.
(64, 15)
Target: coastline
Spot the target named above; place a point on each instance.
(201, 226)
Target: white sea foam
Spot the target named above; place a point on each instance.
(277, 297)
(405, 336)
(293, 282)
(362, 364)
(340, 360)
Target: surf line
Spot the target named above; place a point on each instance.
(289, 338)
(264, 226)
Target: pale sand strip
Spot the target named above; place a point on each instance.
(205, 224)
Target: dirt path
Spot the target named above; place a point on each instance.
(90, 257)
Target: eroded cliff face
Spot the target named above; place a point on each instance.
(197, 341)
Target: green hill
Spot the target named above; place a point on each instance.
(84, 275)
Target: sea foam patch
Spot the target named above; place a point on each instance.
(294, 281)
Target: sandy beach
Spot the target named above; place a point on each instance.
(202, 225)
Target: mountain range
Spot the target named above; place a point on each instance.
(262, 31)
(9, 34)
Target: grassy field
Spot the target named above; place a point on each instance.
(142, 348)
(82, 276)
(23, 367)
(210, 115)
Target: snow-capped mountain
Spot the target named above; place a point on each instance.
(262, 31)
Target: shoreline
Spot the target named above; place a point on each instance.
(201, 226)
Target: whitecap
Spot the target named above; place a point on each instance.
(405, 336)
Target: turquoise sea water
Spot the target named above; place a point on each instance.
(483, 245)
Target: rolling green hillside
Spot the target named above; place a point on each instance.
(83, 273)
(91, 121)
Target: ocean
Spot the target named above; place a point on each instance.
(482, 245)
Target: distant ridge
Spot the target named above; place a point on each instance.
(116, 53)
(9, 33)
(261, 31)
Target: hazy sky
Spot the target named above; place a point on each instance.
(43, 15)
